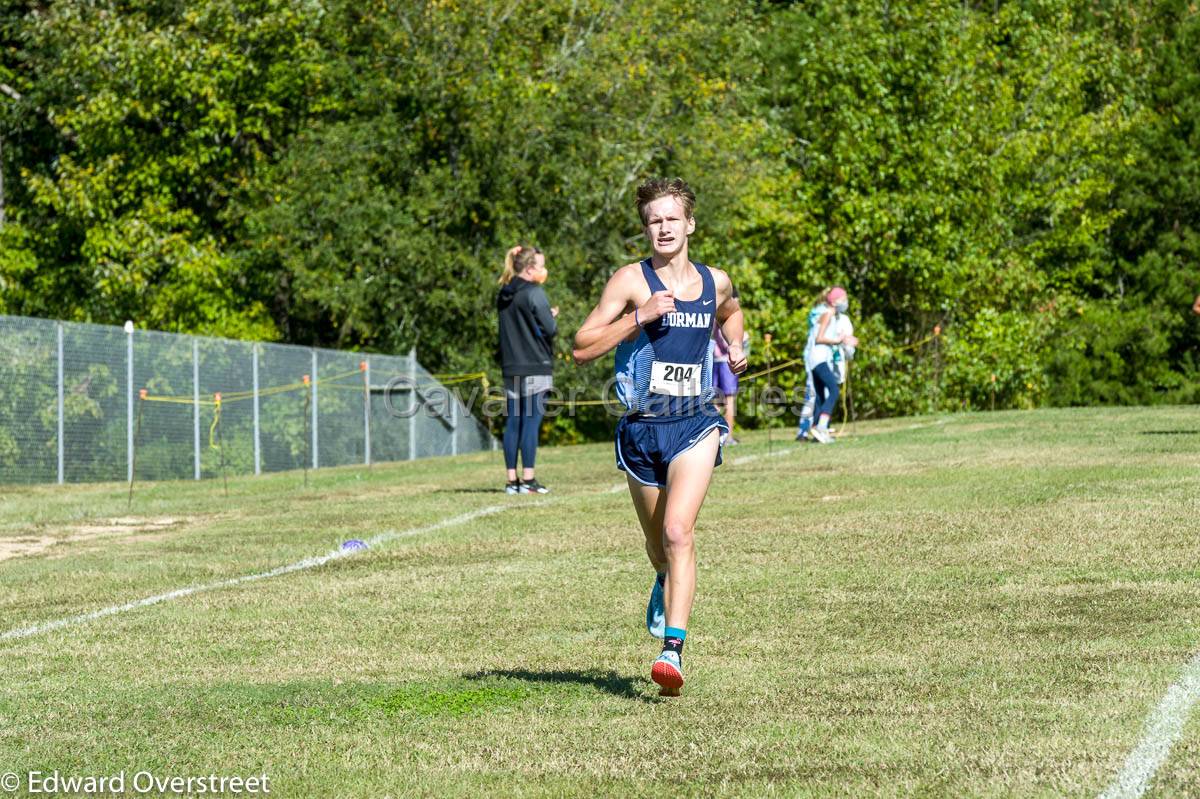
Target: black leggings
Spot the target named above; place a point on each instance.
(521, 428)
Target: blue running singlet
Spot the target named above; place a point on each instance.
(667, 371)
(664, 378)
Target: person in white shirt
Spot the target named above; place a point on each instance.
(819, 360)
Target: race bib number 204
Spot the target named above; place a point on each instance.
(675, 379)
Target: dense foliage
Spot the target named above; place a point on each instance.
(1023, 176)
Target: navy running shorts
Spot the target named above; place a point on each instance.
(646, 445)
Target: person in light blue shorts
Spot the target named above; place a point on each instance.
(659, 315)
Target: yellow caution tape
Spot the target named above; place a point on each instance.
(212, 430)
(234, 396)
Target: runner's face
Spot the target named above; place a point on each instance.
(537, 271)
(667, 226)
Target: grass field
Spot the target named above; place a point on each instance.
(980, 604)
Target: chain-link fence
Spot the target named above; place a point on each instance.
(83, 402)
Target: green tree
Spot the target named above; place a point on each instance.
(1133, 338)
(154, 114)
(466, 130)
(946, 162)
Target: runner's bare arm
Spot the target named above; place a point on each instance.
(603, 330)
(823, 327)
(608, 324)
(729, 317)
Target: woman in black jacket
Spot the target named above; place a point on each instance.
(527, 329)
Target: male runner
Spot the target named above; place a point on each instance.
(661, 313)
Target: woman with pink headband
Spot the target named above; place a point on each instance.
(819, 357)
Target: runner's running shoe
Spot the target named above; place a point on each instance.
(667, 671)
(513, 487)
(533, 487)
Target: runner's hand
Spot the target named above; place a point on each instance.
(554, 311)
(660, 304)
(737, 359)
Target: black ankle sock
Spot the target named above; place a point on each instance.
(671, 644)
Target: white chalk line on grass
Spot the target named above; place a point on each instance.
(751, 458)
(1163, 728)
(934, 423)
(300, 565)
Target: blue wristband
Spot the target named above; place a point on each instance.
(635, 318)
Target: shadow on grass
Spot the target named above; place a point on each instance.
(607, 681)
(1170, 433)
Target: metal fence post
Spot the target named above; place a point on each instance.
(315, 459)
(367, 412)
(196, 408)
(129, 401)
(453, 400)
(412, 404)
(257, 440)
(60, 404)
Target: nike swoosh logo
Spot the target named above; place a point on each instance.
(708, 302)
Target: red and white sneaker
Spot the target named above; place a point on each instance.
(667, 671)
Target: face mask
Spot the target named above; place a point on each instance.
(842, 306)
